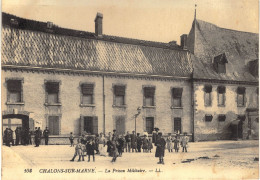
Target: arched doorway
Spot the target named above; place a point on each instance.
(15, 120)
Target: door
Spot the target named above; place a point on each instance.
(120, 125)
(54, 125)
(149, 125)
(177, 125)
(90, 125)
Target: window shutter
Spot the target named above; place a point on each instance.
(208, 88)
(119, 90)
(241, 90)
(149, 92)
(52, 87)
(95, 125)
(14, 85)
(177, 92)
(221, 89)
(87, 89)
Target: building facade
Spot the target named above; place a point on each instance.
(72, 81)
(225, 82)
(75, 81)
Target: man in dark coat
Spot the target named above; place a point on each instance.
(160, 148)
(17, 135)
(38, 135)
(46, 133)
(155, 134)
(128, 141)
(133, 141)
(139, 142)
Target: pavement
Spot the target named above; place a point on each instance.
(204, 160)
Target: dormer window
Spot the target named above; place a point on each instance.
(220, 63)
(253, 67)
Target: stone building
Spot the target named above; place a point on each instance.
(75, 81)
(224, 82)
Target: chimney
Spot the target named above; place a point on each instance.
(98, 24)
(184, 41)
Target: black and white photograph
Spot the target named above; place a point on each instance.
(130, 89)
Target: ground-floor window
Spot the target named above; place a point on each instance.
(90, 125)
(177, 125)
(120, 124)
(53, 125)
(149, 124)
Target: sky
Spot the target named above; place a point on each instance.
(153, 20)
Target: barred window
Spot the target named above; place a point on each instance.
(177, 96)
(149, 96)
(241, 96)
(87, 91)
(221, 95)
(119, 95)
(221, 117)
(14, 88)
(52, 91)
(208, 118)
(207, 96)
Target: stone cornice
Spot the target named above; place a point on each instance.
(90, 73)
(218, 81)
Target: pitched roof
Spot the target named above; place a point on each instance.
(28, 44)
(208, 41)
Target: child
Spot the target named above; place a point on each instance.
(78, 151)
(176, 144)
(169, 142)
(71, 138)
(150, 145)
(90, 149)
(145, 143)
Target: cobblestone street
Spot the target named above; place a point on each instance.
(216, 159)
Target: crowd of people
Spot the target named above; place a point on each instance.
(23, 136)
(114, 145)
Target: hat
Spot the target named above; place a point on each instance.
(138, 133)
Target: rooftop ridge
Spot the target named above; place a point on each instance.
(34, 25)
(201, 21)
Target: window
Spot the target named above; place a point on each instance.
(149, 125)
(208, 117)
(119, 95)
(90, 125)
(52, 92)
(241, 117)
(177, 125)
(14, 91)
(53, 125)
(207, 96)
(176, 95)
(149, 96)
(221, 95)
(87, 93)
(221, 117)
(241, 96)
(220, 63)
(120, 124)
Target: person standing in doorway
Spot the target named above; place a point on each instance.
(46, 133)
(17, 136)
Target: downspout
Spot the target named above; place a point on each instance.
(104, 110)
(192, 108)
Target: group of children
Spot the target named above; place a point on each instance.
(117, 144)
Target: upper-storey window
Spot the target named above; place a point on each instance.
(177, 96)
(220, 63)
(87, 91)
(52, 92)
(149, 96)
(241, 96)
(221, 95)
(207, 95)
(14, 91)
(119, 95)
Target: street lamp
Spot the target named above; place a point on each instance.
(138, 112)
